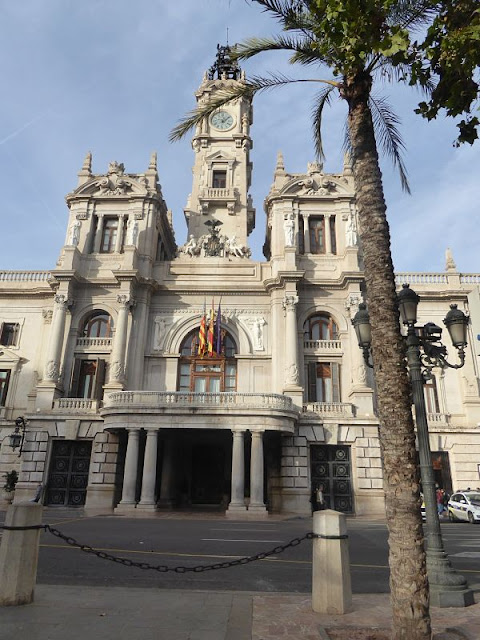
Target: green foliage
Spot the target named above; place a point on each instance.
(450, 54)
(11, 479)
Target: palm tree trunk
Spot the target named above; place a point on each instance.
(408, 576)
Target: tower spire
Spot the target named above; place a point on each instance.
(224, 66)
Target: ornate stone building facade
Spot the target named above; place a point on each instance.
(126, 409)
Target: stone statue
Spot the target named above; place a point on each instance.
(132, 232)
(289, 229)
(351, 230)
(258, 324)
(233, 247)
(190, 248)
(74, 233)
(159, 332)
(449, 261)
(245, 124)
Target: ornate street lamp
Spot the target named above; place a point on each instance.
(424, 352)
(17, 438)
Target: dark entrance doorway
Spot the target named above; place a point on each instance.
(68, 475)
(208, 471)
(331, 471)
(441, 470)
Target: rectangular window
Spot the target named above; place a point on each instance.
(301, 235)
(323, 382)
(219, 179)
(9, 334)
(316, 229)
(109, 235)
(4, 380)
(88, 379)
(431, 396)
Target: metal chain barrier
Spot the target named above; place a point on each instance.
(162, 568)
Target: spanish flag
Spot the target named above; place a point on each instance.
(211, 330)
(202, 340)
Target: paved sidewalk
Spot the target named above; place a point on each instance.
(96, 613)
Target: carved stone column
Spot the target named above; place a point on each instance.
(120, 232)
(256, 474)
(237, 502)
(117, 361)
(97, 242)
(328, 238)
(55, 346)
(306, 233)
(147, 499)
(291, 341)
(130, 473)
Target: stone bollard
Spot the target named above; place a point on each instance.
(331, 584)
(19, 554)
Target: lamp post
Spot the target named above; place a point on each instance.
(17, 438)
(425, 351)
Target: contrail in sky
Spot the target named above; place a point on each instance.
(25, 126)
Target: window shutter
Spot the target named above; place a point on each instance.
(74, 392)
(335, 369)
(312, 382)
(99, 379)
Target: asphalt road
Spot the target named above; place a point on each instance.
(193, 542)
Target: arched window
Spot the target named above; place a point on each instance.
(207, 373)
(97, 325)
(321, 326)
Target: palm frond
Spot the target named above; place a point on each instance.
(288, 12)
(386, 123)
(253, 46)
(322, 99)
(412, 14)
(226, 95)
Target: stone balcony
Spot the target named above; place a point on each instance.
(221, 195)
(333, 347)
(320, 410)
(76, 405)
(94, 344)
(199, 410)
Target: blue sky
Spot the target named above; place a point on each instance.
(114, 76)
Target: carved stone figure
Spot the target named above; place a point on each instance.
(258, 324)
(449, 261)
(245, 124)
(160, 325)
(52, 370)
(132, 232)
(289, 229)
(190, 248)
(74, 233)
(351, 230)
(291, 374)
(116, 371)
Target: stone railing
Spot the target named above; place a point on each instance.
(152, 399)
(102, 343)
(344, 409)
(470, 278)
(219, 194)
(438, 418)
(421, 278)
(76, 404)
(322, 345)
(24, 276)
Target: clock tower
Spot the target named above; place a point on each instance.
(222, 169)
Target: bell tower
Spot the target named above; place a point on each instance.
(222, 168)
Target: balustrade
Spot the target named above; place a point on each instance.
(322, 345)
(329, 408)
(177, 398)
(105, 343)
(76, 404)
(24, 276)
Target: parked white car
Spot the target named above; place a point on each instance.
(464, 505)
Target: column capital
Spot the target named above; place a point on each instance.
(62, 301)
(290, 302)
(124, 301)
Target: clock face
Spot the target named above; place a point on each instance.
(222, 120)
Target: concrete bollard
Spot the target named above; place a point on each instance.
(19, 554)
(331, 584)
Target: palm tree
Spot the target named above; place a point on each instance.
(360, 41)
